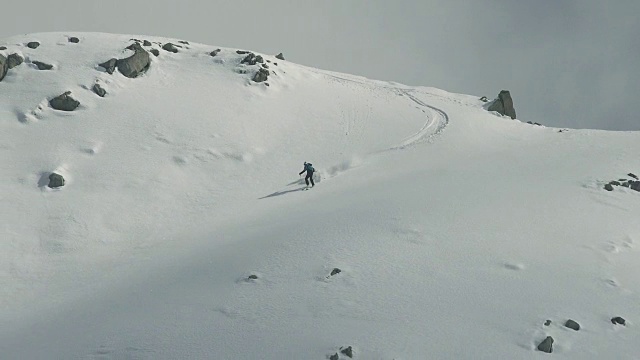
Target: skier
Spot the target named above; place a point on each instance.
(310, 170)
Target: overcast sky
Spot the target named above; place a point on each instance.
(567, 63)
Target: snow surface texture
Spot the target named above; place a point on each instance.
(458, 233)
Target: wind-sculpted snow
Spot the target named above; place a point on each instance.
(174, 226)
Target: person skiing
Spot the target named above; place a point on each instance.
(310, 170)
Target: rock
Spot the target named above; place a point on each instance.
(266, 84)
(64, 102)
(275, 63)
(33, 44)
(608, 187)
(134, 47)
(265, 66)
(242, 52)
(3, 48)
(503, 104)
(572, 325)
(146, 43)
(626, 184)
(136, 64)
(252, 59)
(547, 323)
(253, 277)
(334, 357)
(280, 56)
(99, 90)
(348, 351)
(74, 40)
(55, 180)
(618, 321)
(170, 48)
(546, 345)
(335, 271)
(633, 176)
(42, 66)
(109, 66)
(155, 52)
(4, 67)
(634, 185)
(14, 60)
(259, 59)
(183, 42)
(261, 75)
(484, 99)
(616, 183)
(214, 52)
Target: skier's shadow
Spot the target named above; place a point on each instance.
(278, 193)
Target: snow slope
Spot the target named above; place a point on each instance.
(458, 232)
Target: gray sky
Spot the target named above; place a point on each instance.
(567, 63)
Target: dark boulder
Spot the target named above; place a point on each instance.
(253, 277)
(252, 59)
(618, 321)
(547, 323)
(348, 351)
(616, 183)
(633, 175)
(99, 90)
(265, 66)
(33, 45)
(241, 52)
(634, 185)
(109, 66)
(334, 357)
(572, 325)
(155, 52)
(64, 102)
(170, 48)
(280, 56)
(608, 187)
(3, 48)
(335, 271)
(4, 67)
(503, 104)
(136, 64)
(546, 345)
(55, 181)
(146, 43)
(42, 66)
(261, 75)
(215, 52)
(74, 40)
(14, 60)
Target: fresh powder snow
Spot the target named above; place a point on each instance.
(436, 229)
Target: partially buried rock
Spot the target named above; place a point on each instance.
(572, 325)
(335, 271)
(253, 277)
(4, 67)
(633, 175)
(33, 45)
(136, 64)
(546, 345)
(261, 75)
(42, 66)
(74, 40)
(183, 42)
(214, 52)
(547, 323)
(280, 56)
(99, 90)
(64, 102)
(55, 181)
(614, 182)
(618, 321)
(241, 52)
(3, 48)
(503, 104)
(334, 357)
(14, 60)
(348, 351)
(146, 43)
(634, 185)
(109, 66)
(170, 48)
(155, 52)
(608, 187)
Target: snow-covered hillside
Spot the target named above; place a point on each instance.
(458, 233)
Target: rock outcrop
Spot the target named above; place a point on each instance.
(42, 66)
(261, 75)
(280, 56)
(503, 104)
(14, 60)
(64, 102)
(4, 67)
(109, 66)
(136, 64)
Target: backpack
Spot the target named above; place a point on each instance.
(308, 167)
